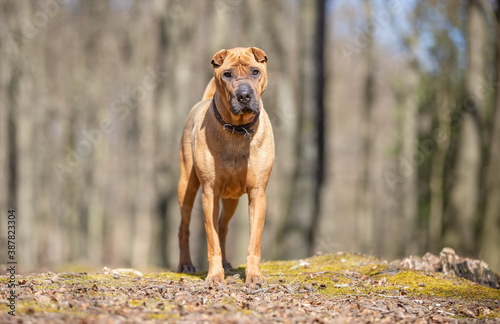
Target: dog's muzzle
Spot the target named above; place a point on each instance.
(244, 101)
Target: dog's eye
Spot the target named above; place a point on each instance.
(227, 74)
(255, 72)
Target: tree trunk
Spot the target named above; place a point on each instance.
(465, 192)
(364, 207)
(436, 181)
(411, 154)
(320, 42)
(292, 236)
(491, 227)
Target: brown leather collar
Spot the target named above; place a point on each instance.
(235, 129)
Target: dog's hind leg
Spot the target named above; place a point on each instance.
(186, 191)
(228, 208)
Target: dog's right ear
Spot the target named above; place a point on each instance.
(218, 58)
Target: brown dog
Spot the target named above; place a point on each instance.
(227, 146)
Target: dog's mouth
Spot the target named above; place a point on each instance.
(251, 108)
(247, 110)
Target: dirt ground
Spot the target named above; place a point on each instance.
(339, 288)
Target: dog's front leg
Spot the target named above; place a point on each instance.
(210, 202)
(257, 214)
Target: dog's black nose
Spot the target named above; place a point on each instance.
(244, 93)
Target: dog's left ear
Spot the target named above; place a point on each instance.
(218, 58)
(259, 54)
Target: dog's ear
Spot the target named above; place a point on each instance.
(218, 58)
(259, 54)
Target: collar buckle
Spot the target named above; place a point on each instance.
(235, 129)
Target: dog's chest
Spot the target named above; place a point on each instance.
(232, 174)
(234, 160)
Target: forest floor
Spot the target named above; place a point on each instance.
(333, 288)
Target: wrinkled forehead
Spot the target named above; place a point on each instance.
(240, 58)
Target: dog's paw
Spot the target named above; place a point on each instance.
(254, 280)
(214, 280)
(227, 266)
(186, 268)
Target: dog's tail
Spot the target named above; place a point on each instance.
(209, 90)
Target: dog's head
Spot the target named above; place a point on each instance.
(241, 78)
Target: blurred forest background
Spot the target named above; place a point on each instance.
(386, 117)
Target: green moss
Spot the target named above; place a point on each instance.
(4, 308)
(438, 284)
(359, 274)
(137, 303)
(176, 276)
(274, 271)
(31, 307)
(46, 287)
(229, 301)
(342, 261)
(373, 270)
(493, 314)
(76, 268)
(157, 316)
